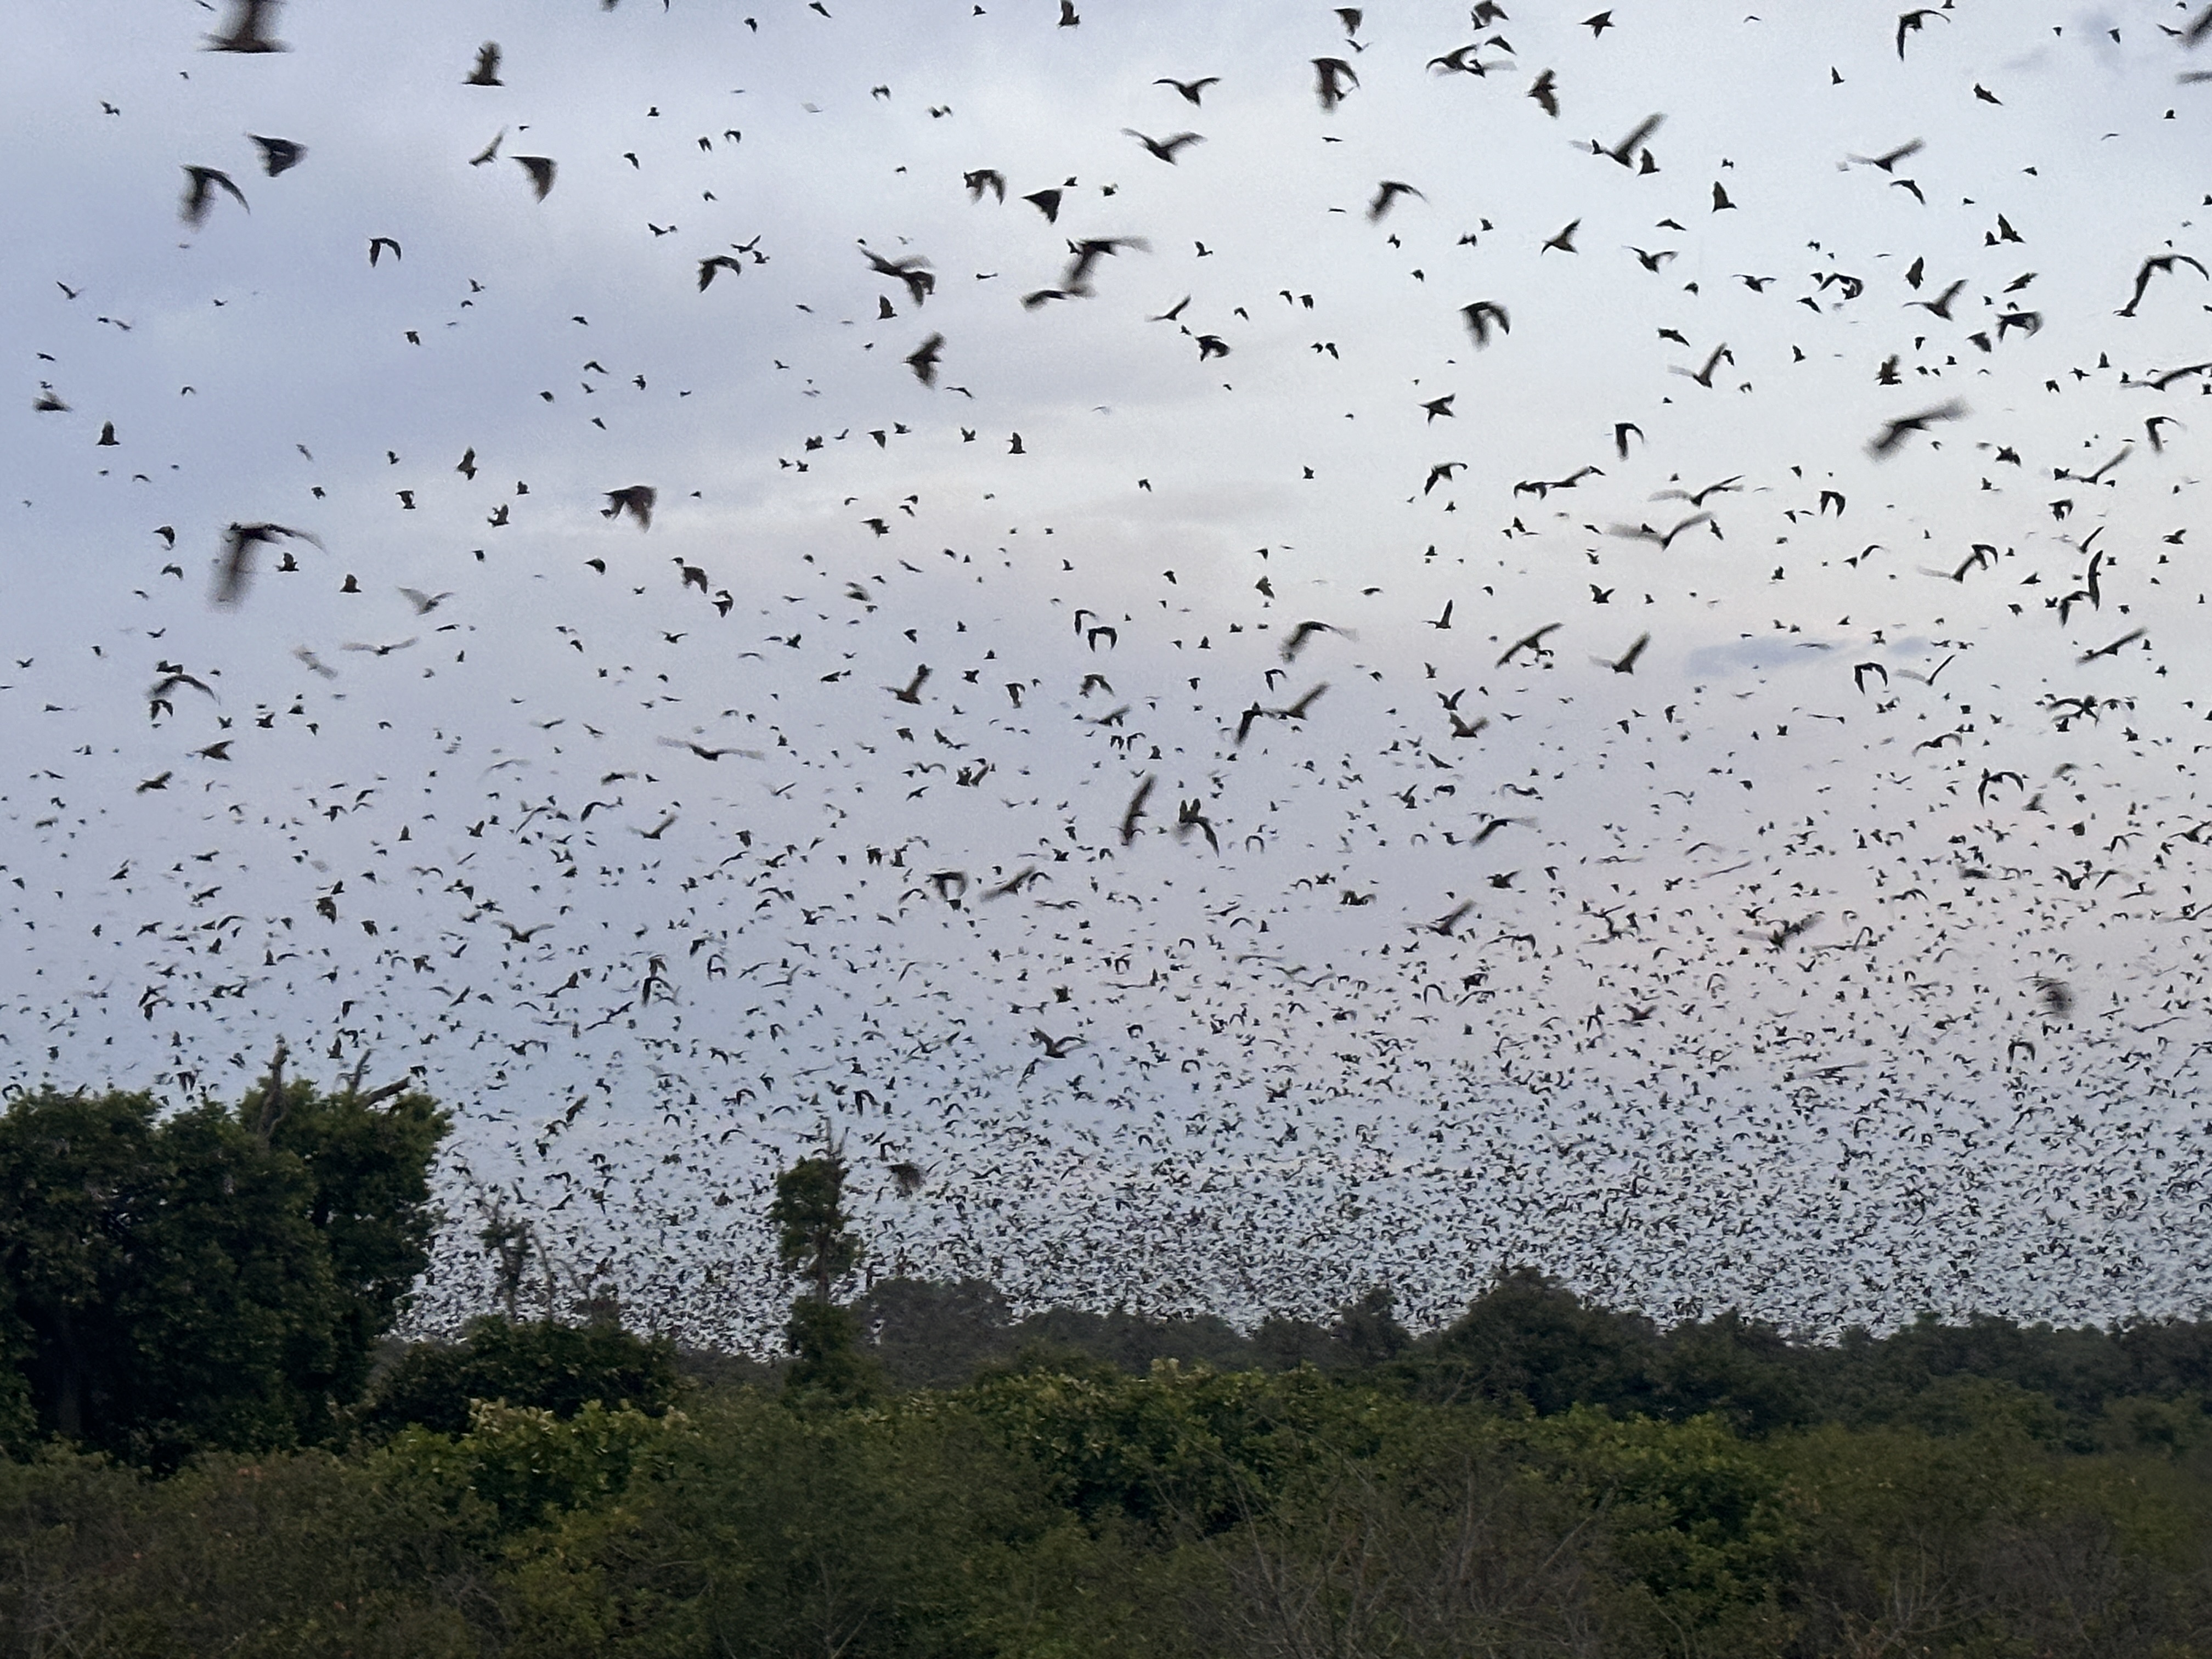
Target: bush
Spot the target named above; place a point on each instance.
(541, 1365)
(518, 1466)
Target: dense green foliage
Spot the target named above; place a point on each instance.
(217, 1278)
(1065, 1507)
(542, 1364)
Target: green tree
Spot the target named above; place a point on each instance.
(815, 1241)
(927, 1334)
(1367, 1331)
(1528, 1338)
(216, 1278)
(538, 1366)
(1744, 1370)
(368, 1158)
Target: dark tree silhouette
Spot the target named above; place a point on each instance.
(216, 1278)
(814, 1241)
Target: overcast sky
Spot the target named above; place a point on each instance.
(1834, 952)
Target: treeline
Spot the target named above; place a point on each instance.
(212, 1452)
(1059, 1506)
(1527, 1343)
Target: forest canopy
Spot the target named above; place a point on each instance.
(218, 1447)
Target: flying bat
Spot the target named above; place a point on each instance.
(279, 154)
(540, 169)
(235, 569)
(1892, 433)
(200, 186)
